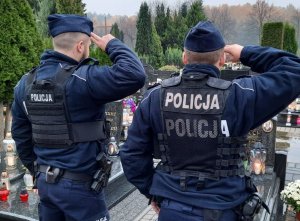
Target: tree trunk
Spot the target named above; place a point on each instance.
(1, 126)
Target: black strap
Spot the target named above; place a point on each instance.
(80, 132)
(229, 151)
(190, 173)
(67, 174)
(229, 173)
(230, 162)
(90, 131)
(232, 140)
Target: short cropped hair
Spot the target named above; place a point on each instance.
(211, 57)
(67, 41)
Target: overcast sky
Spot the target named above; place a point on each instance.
(131, 7)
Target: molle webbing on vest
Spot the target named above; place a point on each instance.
(48, 112)
(192, 143)
(66, 134)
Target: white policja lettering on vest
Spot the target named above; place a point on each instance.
(193, 101)
(191, 128)
(224, 128)
(41, 98)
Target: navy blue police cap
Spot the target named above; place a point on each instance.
(204, 37)
(62, 23)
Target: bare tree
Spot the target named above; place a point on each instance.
(128, 26)
(222, 18)
(261, 13)
(296, 21)
(214, 14)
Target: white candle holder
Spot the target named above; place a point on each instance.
(258, 159)
(28, 180)
(5, 180)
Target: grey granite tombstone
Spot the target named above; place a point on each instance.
(114, 113)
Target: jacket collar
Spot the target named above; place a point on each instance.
(54, 56)
(208, 69)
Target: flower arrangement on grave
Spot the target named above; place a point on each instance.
(291, 195)
(131, 103)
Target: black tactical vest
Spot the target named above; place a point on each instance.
(193, 142)
(47, 110)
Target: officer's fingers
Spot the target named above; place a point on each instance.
(229, 49)
(95, 38)
(108, 37)
(100, 42)
(93, 35)
(104, 41)
(233, 52)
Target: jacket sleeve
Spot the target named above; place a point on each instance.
(21, 129)
(123, 78)
(136, 154)
(277, 85)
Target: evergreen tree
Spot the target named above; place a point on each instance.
(289, 39)
(144, 31)
(100, 55)
(175, 33)
(164, 38)
(195, 14)
(173, 56)
(168, 15)
(35, 5)
(70, 7)
(184, 10)
(47, 7)
(20, 44)
(121, 36)
(115, 31)
(156, 51)
(160, 21)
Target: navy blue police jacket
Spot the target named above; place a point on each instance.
(251, 101)
(87, 92)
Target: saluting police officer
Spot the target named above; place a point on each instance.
(59, 118)
(196, 124)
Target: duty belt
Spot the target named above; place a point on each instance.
(54, 174)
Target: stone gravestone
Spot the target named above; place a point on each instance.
(266, 134)
(267, 183)
(114, 113)
(265, 137)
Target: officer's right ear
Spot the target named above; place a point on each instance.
(184, 58)
(80, 46)
(222, 60)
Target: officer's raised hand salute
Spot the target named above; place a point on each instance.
(196, 124)
(59, 118)
(101, 42)
(233, 52)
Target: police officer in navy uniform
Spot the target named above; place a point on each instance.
(197, 123)
(59, 117)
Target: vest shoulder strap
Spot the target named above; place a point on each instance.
(86, 61)
(173, 81)
(218, 83)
